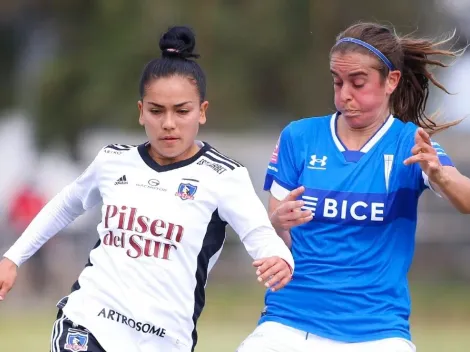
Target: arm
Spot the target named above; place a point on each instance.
(65, 207)
(241, 208)
(453, 186)
(282, 179)
(438, 172)
(71, 202)
(285, 211)
(284, 234)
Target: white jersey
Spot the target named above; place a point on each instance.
(161, 232)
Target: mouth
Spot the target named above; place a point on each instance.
(351, 112)
(169, 138)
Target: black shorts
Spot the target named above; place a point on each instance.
(67, 336)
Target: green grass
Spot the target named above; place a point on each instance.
(441, 321)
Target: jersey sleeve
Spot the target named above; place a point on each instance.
(282, 174)
(65, 207)
(242, 209)
(444, 159)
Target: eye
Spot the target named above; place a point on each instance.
(155, 111)
(183, 112)
(337, 83)
(359, 82)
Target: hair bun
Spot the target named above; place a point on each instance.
(178, 42)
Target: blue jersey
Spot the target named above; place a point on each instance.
(350, 282)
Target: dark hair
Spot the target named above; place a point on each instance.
(408, 55)
(177, 46)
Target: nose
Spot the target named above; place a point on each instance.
(345, 93)
(168, 122)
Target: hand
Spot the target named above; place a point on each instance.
(7, 276)
(289, 213)
(425, 154)
(274, 272)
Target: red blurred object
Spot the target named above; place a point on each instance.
(25, 205)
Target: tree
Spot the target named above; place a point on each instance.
(261, 59)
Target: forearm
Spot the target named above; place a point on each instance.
(285, 236)
(56, 215)
(262, 242)
(282, 233)
(454, 186)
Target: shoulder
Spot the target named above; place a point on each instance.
(307, 126)
(409, 128)
(113, 150)
(219, 162)
(117, 149)
(310, 122)
(404, 132)
(405, 128)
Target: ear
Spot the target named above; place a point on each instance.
(202, 116)
(140, 107)
(392, 81)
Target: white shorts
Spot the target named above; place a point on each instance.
(275, 337)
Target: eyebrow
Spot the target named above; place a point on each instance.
(161, 106)
(352, 74)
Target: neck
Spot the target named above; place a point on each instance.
(162, 160)
(356, 138)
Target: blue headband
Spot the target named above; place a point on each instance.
(374, 50)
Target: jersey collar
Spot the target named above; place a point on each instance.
(369, 144)
(144, 154)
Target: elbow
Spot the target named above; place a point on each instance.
(463, 208)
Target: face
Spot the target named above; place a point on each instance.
(361, 94)
(171, 113)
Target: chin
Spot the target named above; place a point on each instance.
(168, 152)
(354, 120)
(171, 154)
(173, 151)
(357, 120)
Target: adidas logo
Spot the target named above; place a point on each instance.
(121, 181)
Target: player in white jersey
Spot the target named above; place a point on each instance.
(165, 207)
(351, 224)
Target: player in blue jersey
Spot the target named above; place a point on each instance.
(344, 196)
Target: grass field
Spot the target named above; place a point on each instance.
(441, 320)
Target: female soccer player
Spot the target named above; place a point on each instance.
(344, 196)
(165, 206)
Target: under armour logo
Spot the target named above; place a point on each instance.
(316, 163)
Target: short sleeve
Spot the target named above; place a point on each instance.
(444, 159)
(282, 168)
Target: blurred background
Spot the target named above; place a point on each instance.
(69, 77)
